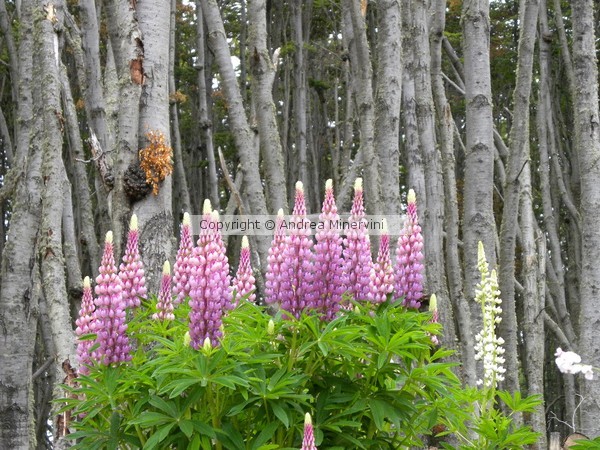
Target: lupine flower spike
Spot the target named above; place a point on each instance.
(357, 249)
(382, 273)
(111, 329)
(297, 267)
(570, 362)
(329, 277)
(409, 257)
(85, 325)
(435, 318)
(273, 276)
(183, 263)
(488, 347)
(308, 440)
(244, 283)
(209, 283)
(164, 306)
(131, 270)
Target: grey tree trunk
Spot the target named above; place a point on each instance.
(516, 168)
(587, 142)
(478, 218)
(263, 70)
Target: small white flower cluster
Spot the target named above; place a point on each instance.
(570, 362)
(488, 346)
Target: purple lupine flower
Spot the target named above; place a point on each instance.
(357, 249)
(330, 281)
(308, 440)
(409, 257)
(85, 325)
(435, 318)
(297, 266)
(183, 264)
(131, 270)
(382, 273)
(273, 276)
(164, 306)
(111, 329)
(210, 292)
(244, 282)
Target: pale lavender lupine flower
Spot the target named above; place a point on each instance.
(244, 283)
(330, 281)
(382, 273)
(131, 270)
(210, 292)
(297, 267)
(357, 248)
(164, 306)
(85, 325)
(273, 277)
(409, 257)
(308, 440)
(111, 329)
(183, 263)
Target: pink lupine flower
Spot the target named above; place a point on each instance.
(297, 266)
(273, 277)
(165, 304)
(308, 440)
(244, 282)
(435, 318)
(85, 325)
(409, 257)
(382, 273)
(131, 270)
(183, 264)
(357, 248)
(110, 326)
(329, 277)
(210, 293)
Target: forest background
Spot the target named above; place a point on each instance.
(489, 111)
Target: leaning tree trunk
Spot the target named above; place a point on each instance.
(515, 171)
(18, 322)
(478, 216)
(587, 142)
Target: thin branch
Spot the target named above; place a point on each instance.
(230, 182)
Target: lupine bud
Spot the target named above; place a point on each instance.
(297, 266)
(434, 316)
(131, 270)
(244, 283)
(308, 441)
(183, 263)
(273, 277)
(210, 292)
(165, 304)
(85, 325)
(357, 248)
(409, 257)
(207, 346)
(382, 273)
(111, 329)
(329, 277)
(271, 327)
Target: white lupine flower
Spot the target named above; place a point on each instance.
(488, 346)
(570, 362)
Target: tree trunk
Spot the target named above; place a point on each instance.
(587, 142)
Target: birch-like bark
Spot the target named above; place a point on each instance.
(387, 102)
(11, 48)
(263, 71)
(587, 142)
(205, 122)
(18, 304)
(242, 133)
(445, 134)
(478, 217)
(180, 185)
(155, 211)
(517, 165)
